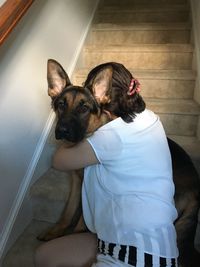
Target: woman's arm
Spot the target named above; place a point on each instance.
(75, 157)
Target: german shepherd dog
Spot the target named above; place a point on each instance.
(78, 116)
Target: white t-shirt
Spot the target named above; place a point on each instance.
(128, 197)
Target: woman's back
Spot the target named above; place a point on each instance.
(131, 189)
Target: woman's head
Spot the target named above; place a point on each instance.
(116, 90)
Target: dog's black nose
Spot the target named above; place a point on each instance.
(62, 132)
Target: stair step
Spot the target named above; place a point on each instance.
(157, 83)
(185, 107)
(144, 33)
(142, 26)
(143, 13)
(49, 195)
(178, 117)
(147, 7)
(22, 252)
(146, 2)
(159, 56)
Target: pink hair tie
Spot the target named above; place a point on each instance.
(134, 87)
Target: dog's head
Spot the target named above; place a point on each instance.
(78, 113)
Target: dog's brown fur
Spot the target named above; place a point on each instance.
(83, 116)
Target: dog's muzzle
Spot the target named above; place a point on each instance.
(63, 132)
(71, 130)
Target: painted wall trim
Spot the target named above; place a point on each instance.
(26, 181)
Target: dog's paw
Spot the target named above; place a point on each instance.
(47, 236)
(52, 233)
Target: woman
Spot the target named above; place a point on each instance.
(128, 190)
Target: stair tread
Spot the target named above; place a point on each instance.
(144, 8)
(140, 48)
(141, 26)
(22, 252)
(151, 74)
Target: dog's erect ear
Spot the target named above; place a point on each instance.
(102, 85)
(57, 78)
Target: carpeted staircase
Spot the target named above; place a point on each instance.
(152, 39)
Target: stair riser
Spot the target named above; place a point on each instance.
(128, 37)
(167, 89)
(141, 60)
(158, 88)
(132, 17)
(183, 125)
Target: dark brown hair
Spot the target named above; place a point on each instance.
(121, 103)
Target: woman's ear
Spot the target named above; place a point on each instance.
(102, 84)
(57, 78)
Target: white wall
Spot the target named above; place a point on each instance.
(50, 29)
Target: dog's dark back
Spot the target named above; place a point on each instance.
(183, 164)
(187, 200)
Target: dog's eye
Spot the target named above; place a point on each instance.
(61, 105)
(83, 109)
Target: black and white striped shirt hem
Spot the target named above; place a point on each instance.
(132, 256)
